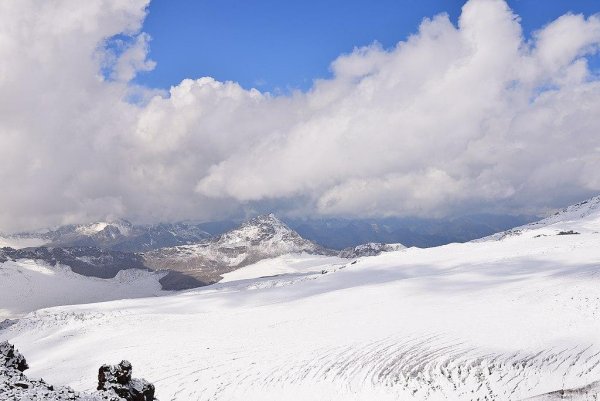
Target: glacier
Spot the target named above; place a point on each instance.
(510, 317)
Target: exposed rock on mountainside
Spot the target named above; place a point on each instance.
(86, 261)
(259, 238)
(114, 383)
(176, 281)
(11, 358)
(369, 249)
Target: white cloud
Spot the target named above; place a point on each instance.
(454, 118)
(133, 59)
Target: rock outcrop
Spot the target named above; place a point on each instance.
(117, 379)
(114, 383)
(369, 249)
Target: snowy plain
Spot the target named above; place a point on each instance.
(512, 317)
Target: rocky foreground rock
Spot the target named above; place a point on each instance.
(114, 383)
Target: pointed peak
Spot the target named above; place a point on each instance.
(261, 227)
(122, 225)
(265, 219)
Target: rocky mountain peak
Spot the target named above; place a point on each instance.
(263, 229)
(120, 226)
(266, 220)
(259, 238)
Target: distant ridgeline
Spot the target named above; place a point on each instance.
(192, 255)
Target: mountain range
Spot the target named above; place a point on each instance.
(103, 249)
(331, 233)
(191, 256)
(116, 235)
(512, 316)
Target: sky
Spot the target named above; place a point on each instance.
(281, 46)
(175, 110)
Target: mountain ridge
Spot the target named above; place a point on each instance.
(259, 238)
(116, 235)
(575, 219)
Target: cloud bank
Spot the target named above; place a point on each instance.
(460, 118)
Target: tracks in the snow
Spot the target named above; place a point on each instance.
(414, 368)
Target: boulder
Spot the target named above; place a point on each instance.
(11, 358)
(117, 378)
(114, 383)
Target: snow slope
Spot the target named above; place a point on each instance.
(27, 285)
(582, 217)
(286, 264)
(489, 320)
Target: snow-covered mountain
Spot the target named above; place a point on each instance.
(27, 285)
(491, 320)
(34, 278)
(86, 261)
(118, 235)
(582, 217)
(181, 267)
(259, 238)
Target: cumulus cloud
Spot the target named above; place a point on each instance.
(455, 118)
(467, 115)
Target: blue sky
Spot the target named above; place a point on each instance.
(278, 45)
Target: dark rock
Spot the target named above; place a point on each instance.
(115, 383)
(6, 323)
(177, 281)
(117, 378)
(87, 261)
(11, 358)
(570, 232)
(369, 249)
